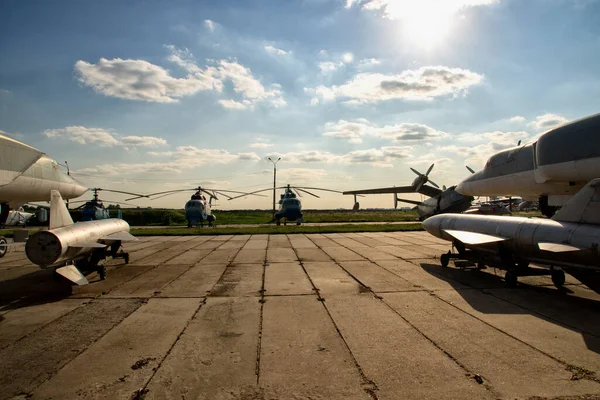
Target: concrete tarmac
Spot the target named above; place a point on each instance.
(299, 316)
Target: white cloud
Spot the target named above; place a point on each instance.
(297, 175)
(102, 137)
(424, 83)
(383, 157)
(406, 9)
(503, 140)
(368, 63)
(261, 145)
(309, 156)
(404, 132)
(348, 58)
(329, 66)
(275, 51)
(184, 158)
(141, 80)
(430, 158)
(548, 121)
(160, 153)
(517, 118)
(210, 25)
(353, 131)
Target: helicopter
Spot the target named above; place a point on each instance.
(290, 207)
(197, 208)
(94, 209)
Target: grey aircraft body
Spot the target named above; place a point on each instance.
(551, 169)
(570, 240)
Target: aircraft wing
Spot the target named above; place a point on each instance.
(15, 158)
(473, 237)
(557, 247)
(122, 236)
(415, 202)
(395, 189)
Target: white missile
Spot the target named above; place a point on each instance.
(66, 242)
(569, 240)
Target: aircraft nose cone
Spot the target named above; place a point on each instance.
(432, 225)
(428, 224)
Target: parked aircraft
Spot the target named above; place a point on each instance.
(94, 209)
(551, 169)
(290, 206)
(197, 208)
(569, 240)
(67, 246)
(441, 200)
(27, 174)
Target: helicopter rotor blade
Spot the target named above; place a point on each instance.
(306, 191)
(316, 188)
(118, 191)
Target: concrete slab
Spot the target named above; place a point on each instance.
(552, 337)
(375, 277)
(312, 254)
(219, 256)
(397, 358)
(286, 279)
(342, 254)
(197, 281)
(302, 356)
(250, 256)
(279, 241)
(216, 356)
(300, 241)
(331, 280)
(278, 255)
(40, 355)
(255, 244)
(189, 257)
(511, 368)
(374, 254)
(347, 242)
(149, 283)
(21, 322)
(115, 276)
(420, 277)
(321, 241)
(240, 280)
(121, 362)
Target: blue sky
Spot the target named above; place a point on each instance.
(152, 95)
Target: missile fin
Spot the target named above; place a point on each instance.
(122, 236)
(558, 247)
(73, 274)
(59, 214)
(81, 245)
(473, 237)
(584, 207)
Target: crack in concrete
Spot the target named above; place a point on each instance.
(262, 307)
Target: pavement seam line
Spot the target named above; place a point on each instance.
(366, 382)
(260, 319)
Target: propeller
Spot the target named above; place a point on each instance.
(470, 169)
(424, 178)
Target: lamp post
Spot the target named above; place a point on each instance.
(274, 181)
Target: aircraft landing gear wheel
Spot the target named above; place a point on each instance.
(445, 259)
(558, 278)
(102, 272)
(285, 222)
(511, 279)
(3, 249)
(126, 258)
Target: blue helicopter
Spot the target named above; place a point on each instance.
(197, 208)
(290, 206)
(94, 209)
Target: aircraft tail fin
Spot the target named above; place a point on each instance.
(59, 214)
(584, 207)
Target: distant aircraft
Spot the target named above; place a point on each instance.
(290, 206)
(18, 218)
(94, 209)
(197, 208)
(569, 240)
(441, 200)
(67, 246)
(27, 174)
(551, 169)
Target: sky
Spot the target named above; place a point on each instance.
(149, 96)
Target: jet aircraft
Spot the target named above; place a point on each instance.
(441, 200)
(569, 240)
(66, 246)
(551, 169)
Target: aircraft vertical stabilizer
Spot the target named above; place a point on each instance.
(584, 207)
(59, 214)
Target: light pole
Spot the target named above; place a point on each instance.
(68, 173)
(274, 181)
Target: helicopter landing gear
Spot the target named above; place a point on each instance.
(299, 221)
(278, 222)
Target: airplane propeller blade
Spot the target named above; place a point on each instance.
(415, 171)
(470, 169)
(434, 184)
(429, 170)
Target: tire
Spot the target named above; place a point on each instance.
(558, 278)
(3, 249)
(445, 259)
